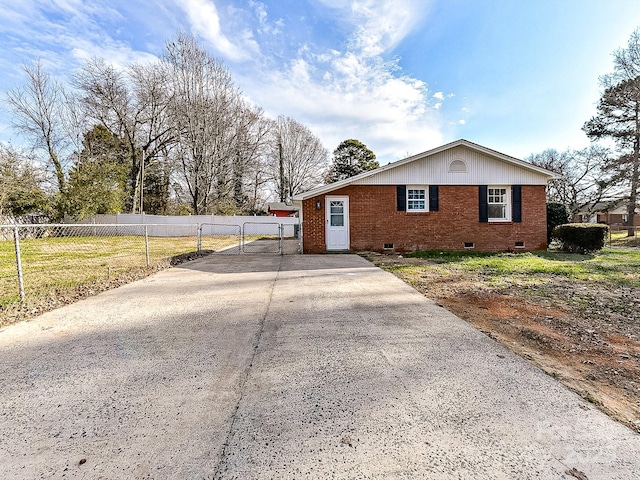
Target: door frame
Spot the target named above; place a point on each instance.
(327, 214)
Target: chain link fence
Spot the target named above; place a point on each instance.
(291, 239)
(278, 238)
(50, 263)
(221, 239)
(258, 237)
(40, 262)
(251, 237)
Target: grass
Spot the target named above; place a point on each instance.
(611, 266)
(572, 315)
(620, 239)
(56, 265)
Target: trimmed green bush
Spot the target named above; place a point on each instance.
(581, 237)
(557, 214)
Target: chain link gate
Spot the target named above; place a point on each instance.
(261, 237)
(291, 239)
(251, 237)
(220, 239)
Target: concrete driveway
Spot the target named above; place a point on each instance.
(256, 367)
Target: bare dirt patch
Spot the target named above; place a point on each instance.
(584, 334)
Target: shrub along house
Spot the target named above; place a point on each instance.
(455, 197)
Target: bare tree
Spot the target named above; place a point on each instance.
(298, 159)
(204, 102)
(39, 113)
(132, 104)
(185, 125)
(153, 93)
(586, 181)
(249, 165)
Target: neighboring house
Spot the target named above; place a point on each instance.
(281, 209)
(455, 197)
(612, 213)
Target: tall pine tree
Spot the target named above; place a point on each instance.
(352, 157)
(618, 118)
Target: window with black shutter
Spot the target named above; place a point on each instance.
(516, 203)
(401, 198)
(433, 198)
(483, 203)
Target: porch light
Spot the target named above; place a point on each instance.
(318, 205)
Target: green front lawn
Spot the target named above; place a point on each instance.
(56, 265)
(613, 266)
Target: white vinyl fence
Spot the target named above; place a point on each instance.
(168, 222)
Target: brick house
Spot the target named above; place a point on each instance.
(612, 213)
(455, 197)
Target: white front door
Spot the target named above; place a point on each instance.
(337, 222)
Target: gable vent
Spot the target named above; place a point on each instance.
(458, 166)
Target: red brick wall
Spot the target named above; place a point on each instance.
(375, 221)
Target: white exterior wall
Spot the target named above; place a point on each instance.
(434, 170)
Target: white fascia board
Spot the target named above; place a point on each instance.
(474, 146)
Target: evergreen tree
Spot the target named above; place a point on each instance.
(618, 118)
(20, 186)
(97, 181)
(352, 157)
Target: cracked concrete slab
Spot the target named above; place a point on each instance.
(259, 366)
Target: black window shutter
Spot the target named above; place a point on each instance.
(433, 198)
(516, 203)
(401, 197)
(483, 203)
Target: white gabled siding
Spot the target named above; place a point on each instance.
(434, 170)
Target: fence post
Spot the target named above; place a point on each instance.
(199, 238)
(146, 244)
(16, 243)
(281, 242)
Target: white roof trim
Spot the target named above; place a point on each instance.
(464, 143)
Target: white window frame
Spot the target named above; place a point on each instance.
(425, 189)
(506, 202)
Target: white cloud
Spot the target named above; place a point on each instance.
(115, 53)
(347, 89)
(205, 21)
(380, 25)
(356, 92)
(36, 33)
(350, 96)
(265, 27)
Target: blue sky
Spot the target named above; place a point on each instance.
(402, 76)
